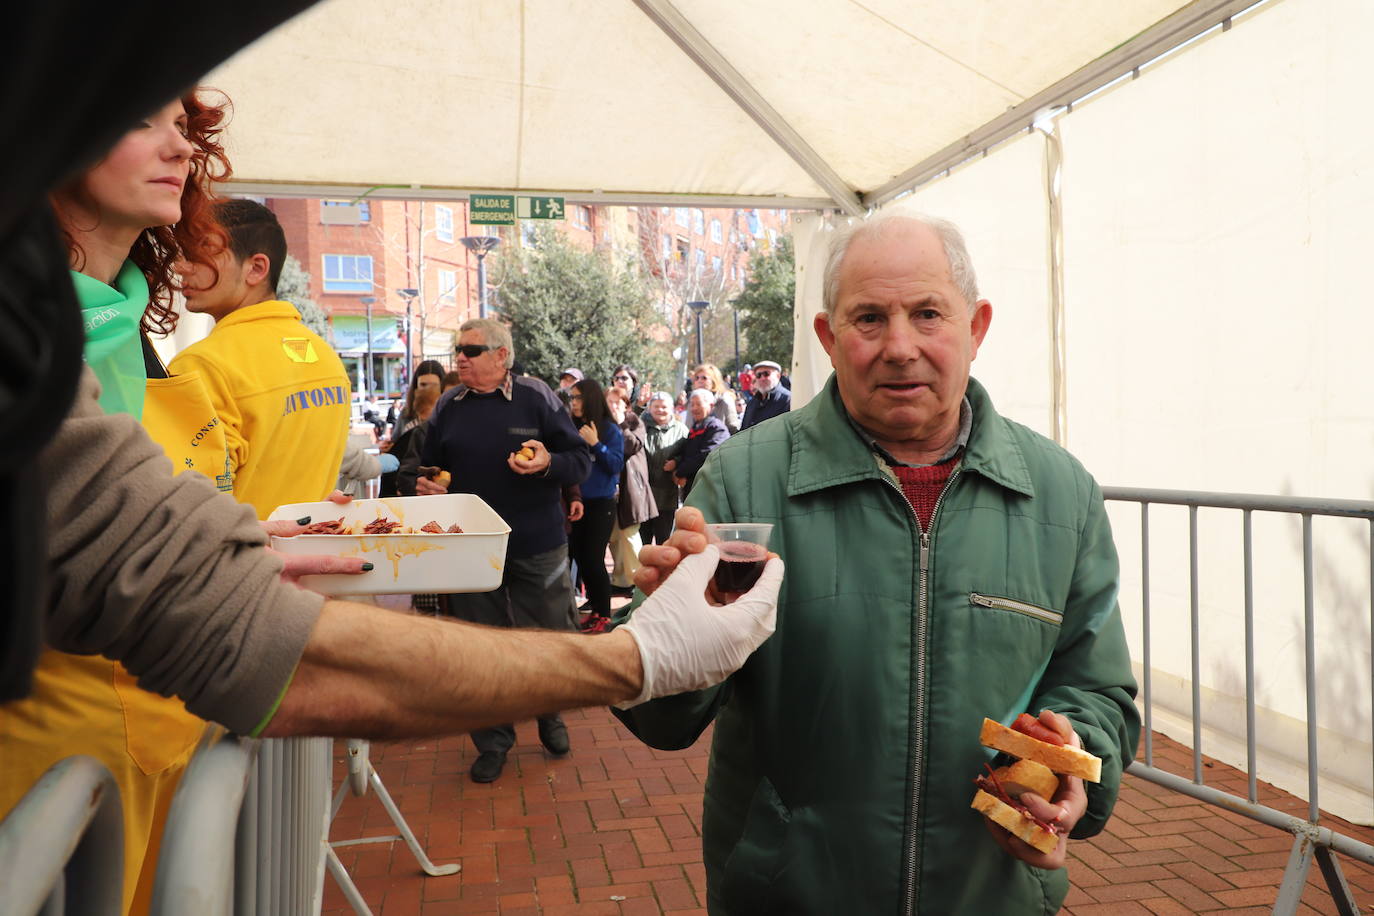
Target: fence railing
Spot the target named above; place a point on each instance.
(1311, 841)
(62, 846)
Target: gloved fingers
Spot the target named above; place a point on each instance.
(696, 570)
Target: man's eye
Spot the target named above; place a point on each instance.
(868, 318)
(927, 314)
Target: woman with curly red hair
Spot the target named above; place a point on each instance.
(129, 222)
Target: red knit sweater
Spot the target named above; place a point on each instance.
(922, 486)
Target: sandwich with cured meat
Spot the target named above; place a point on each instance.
(1042, 753)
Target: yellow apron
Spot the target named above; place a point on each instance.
(87, 704)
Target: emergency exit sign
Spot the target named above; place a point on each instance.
(491, 209)
(540, 208)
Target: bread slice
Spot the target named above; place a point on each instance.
(1015, 823)
(1064, 759)
(1027, 776)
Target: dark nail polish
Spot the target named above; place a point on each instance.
(367, 567)
(303, 521)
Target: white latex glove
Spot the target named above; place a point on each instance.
(687, 644)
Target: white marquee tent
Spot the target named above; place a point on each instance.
(1177, 261)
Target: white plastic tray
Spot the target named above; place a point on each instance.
(405, 563)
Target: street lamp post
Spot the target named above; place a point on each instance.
(734, 308)
(481, 245)
(409, 296)
(366, 375)
(698, 306)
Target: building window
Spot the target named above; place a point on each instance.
(716, 235)
(529, 237)
(347, 273)
(683, 249)
(715, 265)
(682, 217)
(448, 286)
(582, 216)
(443, 223)
(667, 247)
(345, 212)
(699, 222)
(701, 259)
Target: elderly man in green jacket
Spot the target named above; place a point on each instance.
(945, 564)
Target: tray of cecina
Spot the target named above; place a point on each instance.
(453, 542)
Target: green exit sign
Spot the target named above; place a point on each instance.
(491, 209)
(540, 208)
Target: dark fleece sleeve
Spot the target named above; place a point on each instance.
(165, 574)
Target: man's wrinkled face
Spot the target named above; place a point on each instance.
(765, 380)
(484, 371)
(700, 406)
(661, 411)
(902, 338)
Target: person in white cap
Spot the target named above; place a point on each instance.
(569, 378)
(770, 399)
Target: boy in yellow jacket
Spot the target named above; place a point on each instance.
(281, 392)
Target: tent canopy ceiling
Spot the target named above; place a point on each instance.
(828, 103)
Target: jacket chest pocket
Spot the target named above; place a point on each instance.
(1012, 605)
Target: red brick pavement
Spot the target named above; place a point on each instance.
(614, 828)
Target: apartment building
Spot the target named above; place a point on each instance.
(390, 272)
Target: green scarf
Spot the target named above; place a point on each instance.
(114, 344)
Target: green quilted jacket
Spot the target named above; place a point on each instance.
(844, 751)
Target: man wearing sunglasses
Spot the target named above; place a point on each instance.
(476, 433)
(770, 398)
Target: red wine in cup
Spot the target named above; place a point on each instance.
(741, 564)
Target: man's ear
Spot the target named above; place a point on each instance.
(821, 325)
(257, 269)
(979, 323)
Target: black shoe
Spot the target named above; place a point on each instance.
(488, 765)
(623, 591)
(553, 734)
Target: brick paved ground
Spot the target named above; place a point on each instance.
(614, 829)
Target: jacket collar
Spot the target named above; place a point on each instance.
(827, 452)
(271, 308)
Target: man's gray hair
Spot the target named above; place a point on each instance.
(705, 394)
(494, 334)
(661, 396)
(951, 239)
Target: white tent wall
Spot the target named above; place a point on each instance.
(1216, 230)
(1216, 214)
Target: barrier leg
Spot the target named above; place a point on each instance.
(1295, 875)
(345, 881)
(1335, 882)
(361, 774)
(394, 813)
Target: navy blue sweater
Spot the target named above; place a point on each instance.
(702, 438)
(470, 436)
(765, 407)
(608, 457)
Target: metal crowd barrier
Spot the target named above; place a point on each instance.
(247, 834)
(1311, 841)
(62, 846)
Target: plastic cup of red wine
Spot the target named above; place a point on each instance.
(743, 550)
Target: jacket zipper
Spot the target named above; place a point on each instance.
(917, 724)
(1019, 607)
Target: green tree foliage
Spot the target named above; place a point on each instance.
(569, 307)
(294, 287)
(766, 305)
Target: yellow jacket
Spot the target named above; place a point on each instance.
(282, 395)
